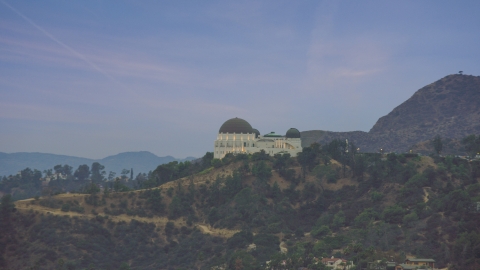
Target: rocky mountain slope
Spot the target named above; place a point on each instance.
(449, 107)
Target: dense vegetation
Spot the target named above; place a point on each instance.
(30, 183)
(326, 202)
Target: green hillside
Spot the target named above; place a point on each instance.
(246, 210)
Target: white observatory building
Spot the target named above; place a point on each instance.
(238, 137)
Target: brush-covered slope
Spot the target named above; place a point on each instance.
(449, 107)
(360, 138)
(252, 209)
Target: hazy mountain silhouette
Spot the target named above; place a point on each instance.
(142, 161)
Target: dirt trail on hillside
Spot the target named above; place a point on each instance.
(158, 221)
(198, 179)
(426, 194)
(217, 232)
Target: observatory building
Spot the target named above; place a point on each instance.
(238, 137)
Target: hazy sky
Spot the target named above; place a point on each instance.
(95, 78)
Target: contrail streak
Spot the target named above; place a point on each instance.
(77, 54)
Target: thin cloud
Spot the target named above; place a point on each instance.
(53, 38)
(45, 113)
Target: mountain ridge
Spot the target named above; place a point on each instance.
(448, 107)
(140, 161)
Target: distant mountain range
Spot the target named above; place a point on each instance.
(140, 162)
(449, 107)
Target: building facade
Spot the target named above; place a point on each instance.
(414, 263)
(237, 136)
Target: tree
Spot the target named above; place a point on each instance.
(437, 144)
(7, 207)
(262, 171)
(263, 174)
(242, 260)
(67, 170)
(58, 168)
(360, 166)
(111, 175)
(409, 219)
(327, 172)
(165, 173)
(363, 219)
(125, 266)
(154, 200)
(97, 172)
(262, 155)
(175, 209)
(92, 188)
(338, 220)
(319, 231)
(124, 173)
(118, 186)
(82, 173)
(472, 144)
(48, 172)
(217, 163)
(393, 214)
(281, 161)
(207, 159)
(306, 158)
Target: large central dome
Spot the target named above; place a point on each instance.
(293, 133)
(236, 125)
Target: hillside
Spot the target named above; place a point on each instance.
(449, 107)
(142, 161)
(450, 147)
(360, 138)
(253, 209)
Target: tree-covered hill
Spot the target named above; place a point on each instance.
(243, 210)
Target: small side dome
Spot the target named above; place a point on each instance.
(257, 133)
(236, 125)
(293, 133)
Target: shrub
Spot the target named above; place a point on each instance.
(123, 204)
(169, 228)
(299, 232)
(65, 207)
(409, 219)
(393, 214)
(321, 231)
(327, 172)
(338, 220)
(76, 208)
(376, 196)
(365, 217)
(217, 163)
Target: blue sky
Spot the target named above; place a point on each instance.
(95, 78)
